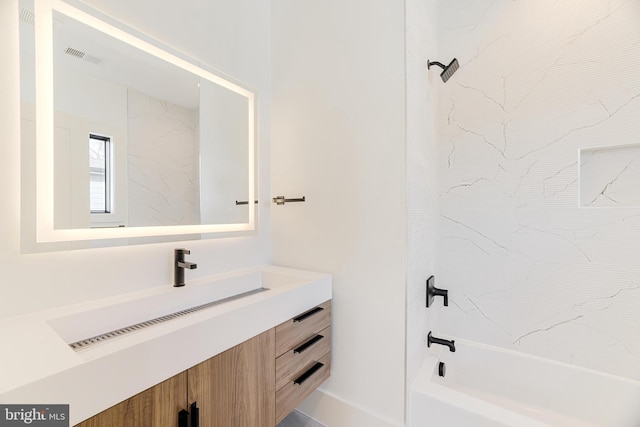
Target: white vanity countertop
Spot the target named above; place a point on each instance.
(37, 366)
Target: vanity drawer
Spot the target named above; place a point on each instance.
(295, 331)
(296, 390)
(290, 364)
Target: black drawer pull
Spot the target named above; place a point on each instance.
(307, 314)
(302, 378)
(183, 418)
(308, 344)
(195, 415)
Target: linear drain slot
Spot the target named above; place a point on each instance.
(84, 343)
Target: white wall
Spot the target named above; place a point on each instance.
(77, 114)
(422, 90)
(528, 268)
(338, 133)
(201, 28)
(224, 179)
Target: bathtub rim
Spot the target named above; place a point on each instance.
(462, 342)
(427, 384)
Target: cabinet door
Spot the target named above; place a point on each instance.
(157, 406)
(237, 388)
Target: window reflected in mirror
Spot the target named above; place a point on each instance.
(171, 144)
(99, 174)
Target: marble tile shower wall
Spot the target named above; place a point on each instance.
(163, 162)
(530, 267)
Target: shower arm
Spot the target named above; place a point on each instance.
(439, 64)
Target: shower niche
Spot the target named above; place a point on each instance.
(609, 177)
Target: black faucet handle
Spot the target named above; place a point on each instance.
(432, 292)
(182, 251)
(442, 293)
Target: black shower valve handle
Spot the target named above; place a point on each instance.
(432, 292)
(442, 293)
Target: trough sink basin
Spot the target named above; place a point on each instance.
(136, 311)
(148, 305)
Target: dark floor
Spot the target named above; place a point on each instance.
(298, 419)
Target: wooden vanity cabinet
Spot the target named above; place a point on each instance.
(157, 406)
(254, 384)
(303, 357)
(233, 389)
(236, 388)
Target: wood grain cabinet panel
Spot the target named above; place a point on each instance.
(296, 390)
(157, 406)
(289, 364)
(237, 388)
(294, 331)
(303, 347)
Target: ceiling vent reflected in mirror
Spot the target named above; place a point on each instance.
(27, 16)
(82, 55)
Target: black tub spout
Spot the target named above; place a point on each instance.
(433, 340)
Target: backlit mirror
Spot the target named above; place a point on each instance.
(131, 140)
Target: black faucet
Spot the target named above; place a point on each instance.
(179, 265)
(433, 340)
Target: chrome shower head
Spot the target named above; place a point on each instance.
(447, 70)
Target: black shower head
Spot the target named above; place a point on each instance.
(447, 70)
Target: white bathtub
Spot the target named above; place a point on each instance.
(488, 386)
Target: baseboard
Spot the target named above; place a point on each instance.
(335, 412)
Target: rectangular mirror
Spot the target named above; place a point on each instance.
(131, 140)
